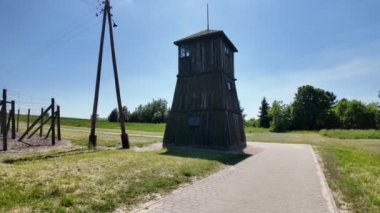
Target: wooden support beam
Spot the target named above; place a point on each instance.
(13, 115)
(13, 120)
(39, 128)
(52, 122)
(58, 114)
(48, 133)
(28, 119)
(4, 120)
(18, 119)
(9, 120)
(34, 123)
(92, 136)
(42, 122)
(124, 136)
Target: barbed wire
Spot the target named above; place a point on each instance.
(24, 103)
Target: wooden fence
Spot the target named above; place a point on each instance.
(9, 123)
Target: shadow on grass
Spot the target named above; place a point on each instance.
(224, 157)
(46, 156)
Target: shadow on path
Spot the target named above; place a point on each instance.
(224, 157)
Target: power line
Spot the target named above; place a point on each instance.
(65, 36)
(86, 2)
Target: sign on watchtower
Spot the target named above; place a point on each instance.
(205, 111)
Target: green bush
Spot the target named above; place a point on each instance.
(356, 115)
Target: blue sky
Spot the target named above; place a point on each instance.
(50, 49)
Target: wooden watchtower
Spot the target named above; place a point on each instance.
(205, 111)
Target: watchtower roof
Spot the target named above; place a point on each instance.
(204, 34)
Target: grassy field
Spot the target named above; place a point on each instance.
(104, 124)
(352, 166)
(99, 181)
(110, 137)
(255, 130)
(351, 134)
(351, 161)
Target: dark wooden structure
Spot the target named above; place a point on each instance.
(205, 111)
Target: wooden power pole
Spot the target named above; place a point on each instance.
(124, 136)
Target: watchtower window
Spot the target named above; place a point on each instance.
(226, 50)
(194, 121)
(184, 52)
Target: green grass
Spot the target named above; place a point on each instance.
(351, 134)
(77, 122)
(113, 143)
(99, 181)
(255, 130)
(105, 137)
(352, 166)
(355, 173)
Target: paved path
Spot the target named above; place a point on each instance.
(278, 178)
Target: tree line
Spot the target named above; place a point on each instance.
(315, 109)
(155, 111)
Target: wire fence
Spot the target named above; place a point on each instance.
(28, 105)
(25, 103)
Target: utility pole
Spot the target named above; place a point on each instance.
(124, 136)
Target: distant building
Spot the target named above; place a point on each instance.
(205, 111)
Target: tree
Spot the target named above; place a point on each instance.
(378, 112)
(264, 119)
(281, 117)
(356, 115)
(127, 114)
(251, 123)
(243, 115)
(311, 108)
(113, 116)
(153, 112)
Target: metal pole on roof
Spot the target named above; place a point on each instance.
(208, 25)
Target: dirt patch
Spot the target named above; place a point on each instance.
(34, 144)
(152, 147)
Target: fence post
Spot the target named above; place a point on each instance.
(52, 123)
(18, 119)
(13, 120)
(4, 120)
(9, 120)
(28, 119)
(42, 121)
(59, 122)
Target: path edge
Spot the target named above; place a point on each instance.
(326, 190)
